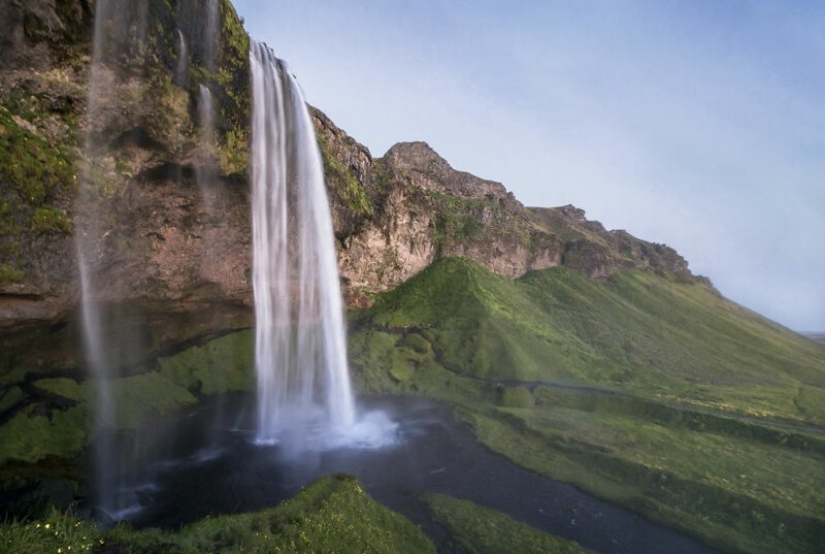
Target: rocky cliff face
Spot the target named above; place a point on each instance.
(161, 236)
(157, 234)
(588, 246)
(397, 214)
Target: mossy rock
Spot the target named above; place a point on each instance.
(32, 436)
(418, 344)
(141, 397)
(29, 164)
(47, 219)
(402, 368)
(372, 354)
(219, 365)
(50, 417)
(344, 181)
(64, 387)
(37, 176)
(10, 398)
(516, 397)
(10, 274)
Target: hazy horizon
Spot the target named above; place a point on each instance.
(697, 125)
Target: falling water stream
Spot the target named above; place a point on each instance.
(205, 170)
(113, 332)
(118, 27)
(300, 351)
(182, 65)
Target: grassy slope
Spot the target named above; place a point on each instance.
(661, 396)
(634, 331)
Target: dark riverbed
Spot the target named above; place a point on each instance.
(227, 472)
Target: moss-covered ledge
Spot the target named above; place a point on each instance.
(47, 400)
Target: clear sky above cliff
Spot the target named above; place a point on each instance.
(697, 124)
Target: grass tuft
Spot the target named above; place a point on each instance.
(475, 528)
(57, 533)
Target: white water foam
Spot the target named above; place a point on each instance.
(310, 431)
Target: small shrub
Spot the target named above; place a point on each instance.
(10, 275)
(49, 220)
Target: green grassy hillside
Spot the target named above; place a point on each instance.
(634, 331)
(658, 395)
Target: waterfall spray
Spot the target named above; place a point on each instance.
(118, 28)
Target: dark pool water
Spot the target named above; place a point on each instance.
(226, 472)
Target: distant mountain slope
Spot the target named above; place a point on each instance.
(634, 331)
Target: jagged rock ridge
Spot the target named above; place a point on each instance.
(415, 208)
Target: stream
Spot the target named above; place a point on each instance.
(431, 451)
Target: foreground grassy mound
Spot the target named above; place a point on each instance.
(474, 528)
(657, 395)
(333, 514)
(56, 532)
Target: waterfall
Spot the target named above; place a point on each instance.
(300, 350)
(182, 66)
(199, 22)
(205, 170)
(206, 14)
(210, 33)
(119, 28)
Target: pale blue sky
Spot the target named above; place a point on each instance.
(699, 124)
